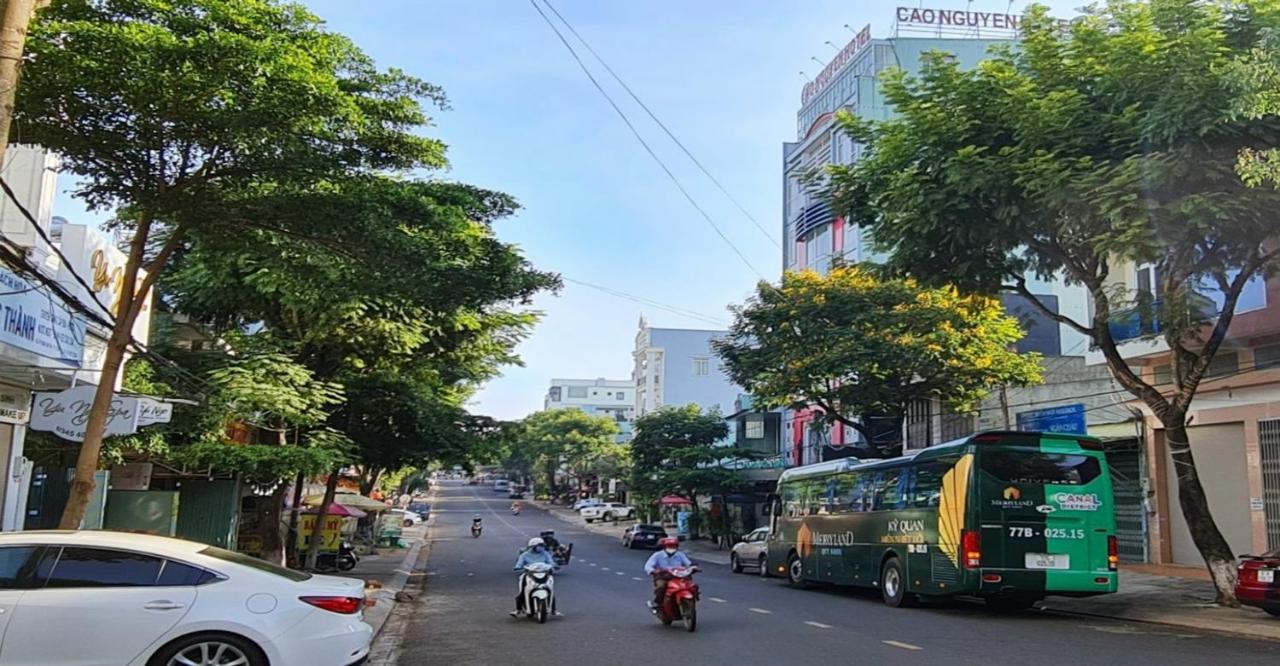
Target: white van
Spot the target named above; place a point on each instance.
(501, 486)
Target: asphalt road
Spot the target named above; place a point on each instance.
(742, 620)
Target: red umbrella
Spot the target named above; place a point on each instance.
(673, 500)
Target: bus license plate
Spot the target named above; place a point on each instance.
(1046, 561)
(1266, 575)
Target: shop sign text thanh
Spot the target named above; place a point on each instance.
(853, 48)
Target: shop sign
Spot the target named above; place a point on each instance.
(66, 413)
(32, 320)
(15, 406)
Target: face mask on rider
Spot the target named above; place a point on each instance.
(669, 551)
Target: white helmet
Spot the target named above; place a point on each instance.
(535, 541)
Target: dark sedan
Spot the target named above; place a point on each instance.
(1257, 583)
(643, 536)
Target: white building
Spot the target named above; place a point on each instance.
(676, 366)
(614, 398)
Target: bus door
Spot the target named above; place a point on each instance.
(1038, 509)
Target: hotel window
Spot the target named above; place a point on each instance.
(577, 391)
(701, 366)
(755, 429)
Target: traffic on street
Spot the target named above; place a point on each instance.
(742, 618)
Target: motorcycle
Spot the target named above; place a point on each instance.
(680, 600)
(562, 553)
(539, 591)
(343, 560)
(475, 530)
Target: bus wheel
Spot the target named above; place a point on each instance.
(795, 572)
(893, 585)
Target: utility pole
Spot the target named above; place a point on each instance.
(15, 17)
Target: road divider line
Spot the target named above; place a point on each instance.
(819, 625)
(636, 578)
(619, 573)
(904, 646)
(719, 600)
(760, 611)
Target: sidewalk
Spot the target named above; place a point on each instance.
(1182, 599)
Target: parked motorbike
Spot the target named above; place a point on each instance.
(475, 530)
(680, 601)
(343, 560)
(539, 591)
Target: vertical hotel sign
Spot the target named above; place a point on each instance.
(32, 319)
(93, 256)
(828, 73)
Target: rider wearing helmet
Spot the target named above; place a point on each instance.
(536, 553)
(669, 557)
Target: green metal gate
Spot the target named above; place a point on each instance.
(209, 511)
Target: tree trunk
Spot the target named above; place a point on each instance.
(291, 536)
(133, 296)
(551, 480)
(269, 526)
(370, 480)
(317, 532)
(1205, 534)
(15, 18)
(693, 516)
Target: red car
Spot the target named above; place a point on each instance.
(1259, 584)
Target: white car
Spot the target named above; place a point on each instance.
(93, 597)
(607, 511)
(752, 551)
(584, 503)
(407, 518)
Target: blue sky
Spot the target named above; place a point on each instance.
(724, 77)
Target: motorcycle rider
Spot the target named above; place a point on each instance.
(669, 557)
(536, 553)
(516, 506)
(476, 523)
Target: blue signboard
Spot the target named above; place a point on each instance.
(1067, 418)
(34, 320)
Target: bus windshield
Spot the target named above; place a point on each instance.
(1035, 468)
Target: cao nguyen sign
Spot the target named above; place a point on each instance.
(65, 413)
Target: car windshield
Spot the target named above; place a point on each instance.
(255, 563)
(648, 528)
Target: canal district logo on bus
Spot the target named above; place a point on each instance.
(1012, 499)
(1078, 501)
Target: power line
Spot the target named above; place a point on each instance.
(655, 119)
(640, 138)
(683, 312)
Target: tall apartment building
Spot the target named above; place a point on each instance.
(676, 366)
(614, 398)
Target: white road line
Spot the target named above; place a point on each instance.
(636, 578)
(592, 564)
(818, 624)
(900, 644)
(602, 569)
(619, 573)
(760, 611)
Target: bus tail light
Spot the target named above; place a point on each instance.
(971, 546)
(1113, 553)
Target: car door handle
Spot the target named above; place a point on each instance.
(163, 606)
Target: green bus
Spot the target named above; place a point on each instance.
(1006, 516)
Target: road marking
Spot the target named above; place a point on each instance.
(719, 600)
(636, 578)
(818, 624)
(604, 568)
(900, 644)
(760, 611)
(593, 564)
(619, 573)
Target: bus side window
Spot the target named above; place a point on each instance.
(928, 484)
(906, 489)
(886, 490)
(858, 492)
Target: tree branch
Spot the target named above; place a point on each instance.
(1020, 288)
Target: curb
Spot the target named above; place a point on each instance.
(385, 598)
(1158, 623)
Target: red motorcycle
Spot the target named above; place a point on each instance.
(680, 601)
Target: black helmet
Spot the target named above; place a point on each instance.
(547, 533)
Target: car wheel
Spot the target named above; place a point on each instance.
(763, 563)
(408, 522)
(607, 517)
(734, 564)
(209, 649)
(893, 585)
(795, 572)
(591, 520)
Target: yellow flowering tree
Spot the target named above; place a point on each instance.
(857, 345)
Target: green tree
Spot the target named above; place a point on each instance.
(167, 109)
(678, 451)
(857, 346)
(1077, 155)
(570, 438)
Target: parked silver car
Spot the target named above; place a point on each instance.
(752, 551)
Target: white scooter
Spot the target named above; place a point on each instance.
(539, 591)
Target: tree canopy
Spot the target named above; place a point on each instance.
(679, 451)
(858, 345)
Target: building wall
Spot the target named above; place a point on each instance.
(691, 371)
(1220, 460)
(614, 398)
